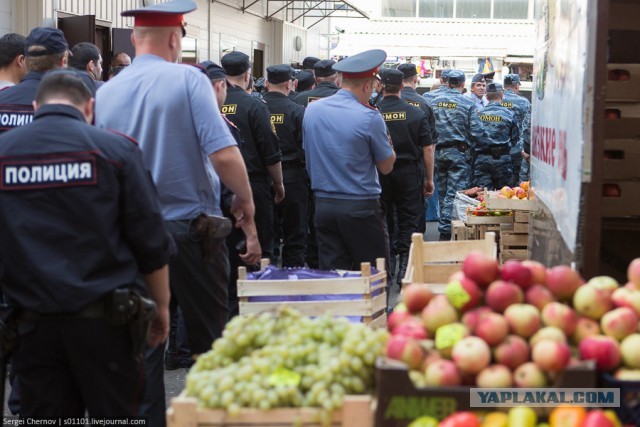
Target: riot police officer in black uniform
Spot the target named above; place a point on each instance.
(287, 117)
(260, 148)
(404, 189)
(46, 49)
(327, 83)
(80, 222)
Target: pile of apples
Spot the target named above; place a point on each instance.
(516, 193)
(518, 325)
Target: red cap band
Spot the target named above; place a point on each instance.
(361, 75)
(159, 20)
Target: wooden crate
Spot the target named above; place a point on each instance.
(521, 221)
(371, 308)
(462, 231)
(506, 217)
(513, 244)
(184, 412)
(434, 262)
(493, 202)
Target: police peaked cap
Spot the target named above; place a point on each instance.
(445, 74)
(324, 68)
(408, 69)
(235, 63)
(277, 74)
(309, 62)
(494, 88)
(456, 77)
(512, 79)
(361, 65)
(392, 77)
(169, 14)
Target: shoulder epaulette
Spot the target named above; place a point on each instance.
(135, 141)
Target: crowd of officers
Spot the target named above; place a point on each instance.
(444, 137)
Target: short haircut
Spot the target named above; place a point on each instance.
(63, 83)
(11, 45)
(44, 63)
(115, 70)
(83, 53)
(492, 96)
(392, 88)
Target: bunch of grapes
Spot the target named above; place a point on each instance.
(283, 359)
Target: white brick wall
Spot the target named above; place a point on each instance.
(5, 17)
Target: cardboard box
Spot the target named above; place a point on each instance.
(624, 90)
(628, 204)
(622, 157)
(398, 401)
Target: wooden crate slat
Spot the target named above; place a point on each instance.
(520, 227)
(451, 251)
(440, 273)
(184, 412)
(379, 322)
(362, 307)
(338, 286)
(509, 239)
(488, 219)
(521, 216)
(519, 254)
(481, 231)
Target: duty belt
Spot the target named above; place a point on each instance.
(461, 146)
(496, 151)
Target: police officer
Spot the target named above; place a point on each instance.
(493, 162)
(70, 275)
(444, 81)
(459, 131)
(478, 91)
(46, 49)
(404, 189)
(345, 141)
(409, 94)
(326, 83)
(309, 62)
(522, 108)
(287, 118)
(260, 148)
(306, 81)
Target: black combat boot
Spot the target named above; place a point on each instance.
(403, 259)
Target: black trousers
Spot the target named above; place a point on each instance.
(402, 195)
(263, 201)
(67, 366)
(350, 232)
(294, 212)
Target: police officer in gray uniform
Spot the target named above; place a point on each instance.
(493, 162)
(478, 91)
(522, 108)
(459, 131)
(444, 80)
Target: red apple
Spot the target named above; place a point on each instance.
(492, 328)
(592, 302)
(633, 272)
(495, 376)
(523, 319)
(563, 281)
(612, 114)
(416, 296)
(630, 350)
(611, 190)
(623, 75)
(397, 317)
(512, 352)
(585, 327)
(626, 297)
(538, 296)
(551, 355)
(550, 333)
(470, 318)
(513, 271)
(442, 373)
(437, 313)
(480, 268)
(604, 283)
(619, 323)
(529, 375)
(471, 355)
(612, 75)
(461, 419)
(604, 350)
(463, 294)
(412, 327)
(406, 350)
(561, 316)
(596, 418)
(538, 271)
(501, 294)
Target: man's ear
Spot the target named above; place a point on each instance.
(20, 61)
(90, 66)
